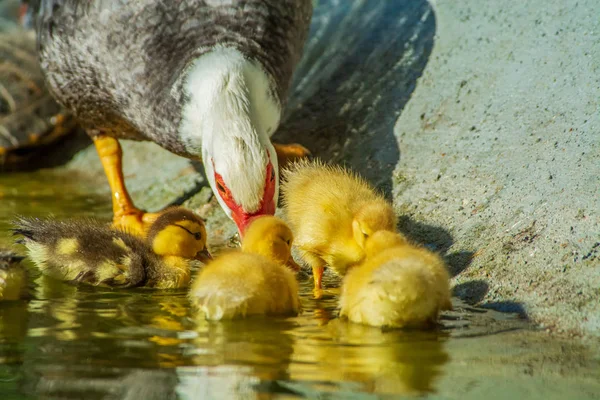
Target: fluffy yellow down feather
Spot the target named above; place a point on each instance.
(253, 281)
(397, 285)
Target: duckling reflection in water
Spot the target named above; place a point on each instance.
(252, 281)
(397, 285)
(385, 362)
(14, 316)
(239, 359)
(13, 276)
(88, 251)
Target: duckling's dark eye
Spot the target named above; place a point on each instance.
(288, 242)
(196, 235)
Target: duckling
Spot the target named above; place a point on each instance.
(331, 212)
(253, 280)
(13, 276)
(89, 252)
(397, 285)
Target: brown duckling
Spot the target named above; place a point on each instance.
(91, 252)
(13, 276)
(397, 285)
(252, 281)
(331, 211)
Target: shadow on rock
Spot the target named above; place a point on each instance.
(507, 307)
(437, 239)
(472, 292)
(433, 237)
(360, 67)
(459, 261)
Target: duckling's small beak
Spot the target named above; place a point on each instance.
(203, 256)
(293, 265)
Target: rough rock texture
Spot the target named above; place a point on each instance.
(481, 121)
(500, 144)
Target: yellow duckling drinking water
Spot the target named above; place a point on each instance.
(397, 285)
(331, 212)
(252, 281)
(88, 251)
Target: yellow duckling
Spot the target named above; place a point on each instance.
(88, 251)
(397, 285)
(331, 212)
(13, 276)
(252, 281)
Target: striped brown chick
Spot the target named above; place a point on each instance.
(13, 276)
(89, 251)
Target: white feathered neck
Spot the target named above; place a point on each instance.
(229, 118)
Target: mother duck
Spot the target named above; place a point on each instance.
(203, 79)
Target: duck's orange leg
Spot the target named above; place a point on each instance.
(125, 215)
(287, 153)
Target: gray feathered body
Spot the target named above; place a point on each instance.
(119, 64)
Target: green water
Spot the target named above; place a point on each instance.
(46, 193)
(71, 342)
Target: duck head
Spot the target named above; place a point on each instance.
(179, 232)
(270, 237)
(245, 181)
(229, 117)
(373, 216)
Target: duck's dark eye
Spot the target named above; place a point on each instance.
(272, 175)
(220, 188)
(197, 235)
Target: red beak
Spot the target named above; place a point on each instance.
(267, 206)
(243, 220)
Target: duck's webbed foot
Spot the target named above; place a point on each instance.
(125, 215)
(288, 153)
(134, 221)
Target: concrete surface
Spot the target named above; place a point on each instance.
(500, 144)
(480, 119)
